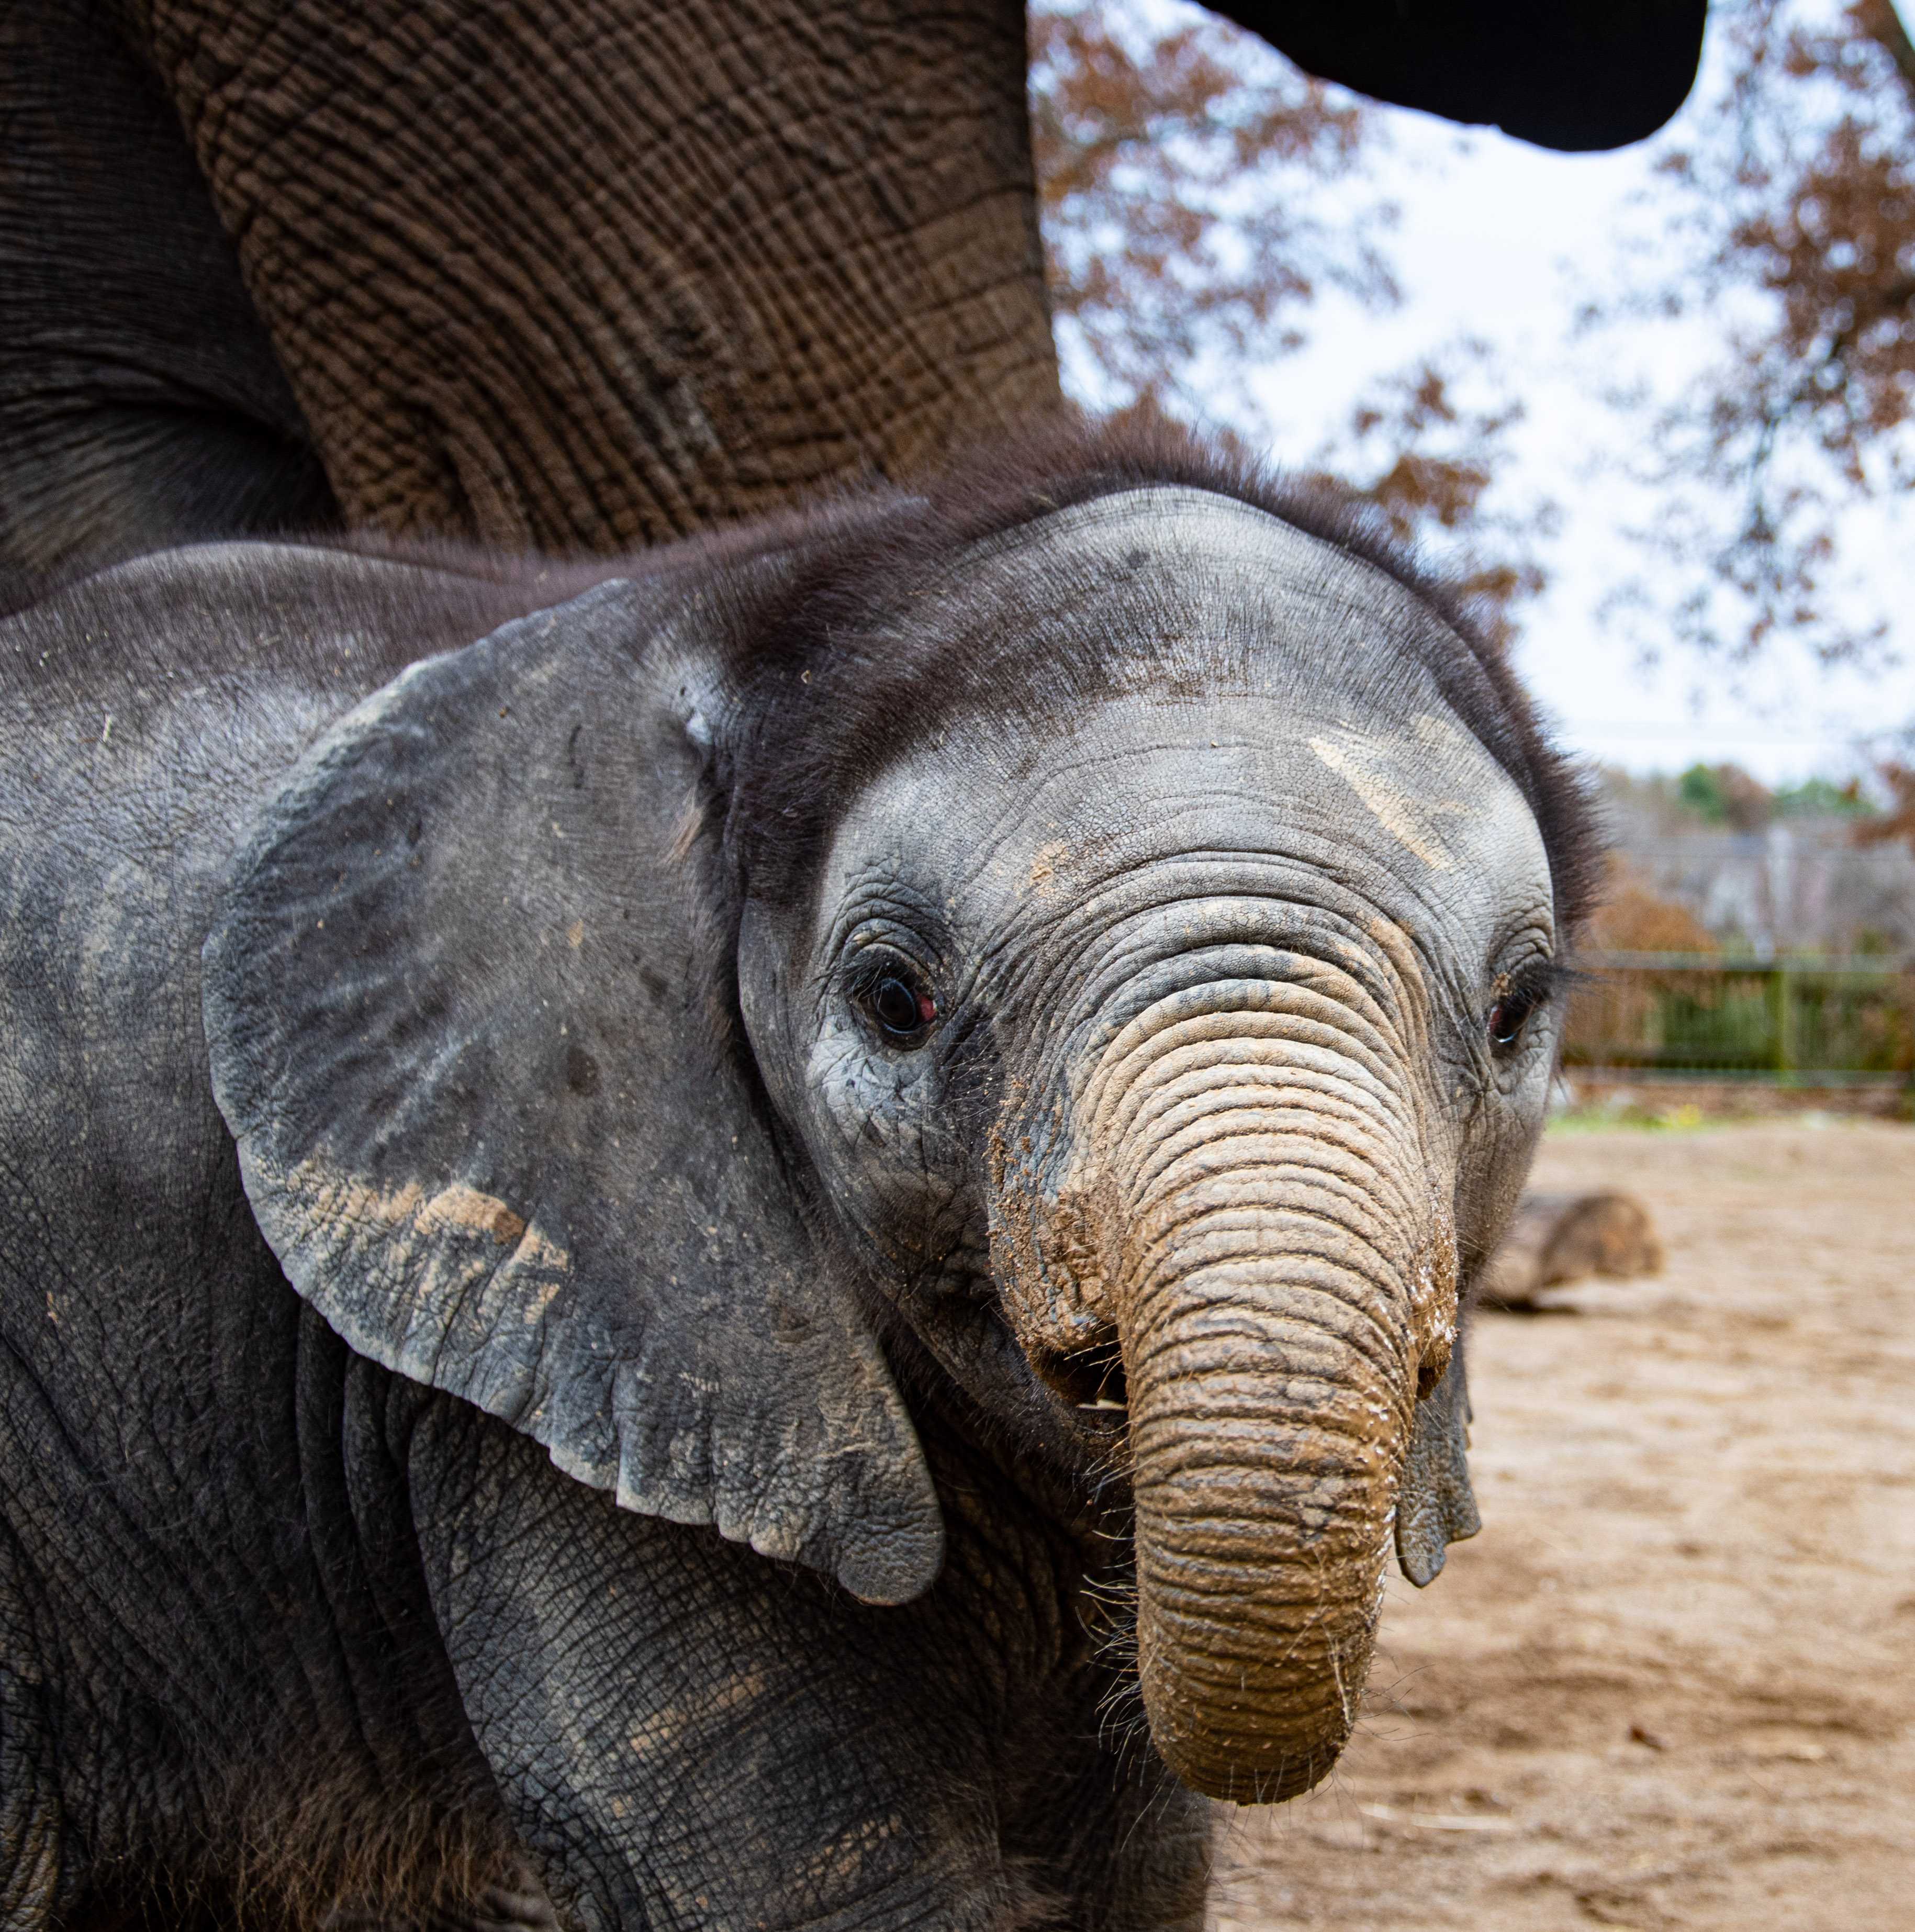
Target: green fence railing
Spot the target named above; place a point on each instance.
(1791, 1017)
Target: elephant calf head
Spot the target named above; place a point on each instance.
(1094, 925)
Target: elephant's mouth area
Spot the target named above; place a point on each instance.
(1090, 1384)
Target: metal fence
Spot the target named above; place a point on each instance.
(1797, 1018)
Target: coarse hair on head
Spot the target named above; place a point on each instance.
(831, 687)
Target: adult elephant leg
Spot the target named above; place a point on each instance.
(684, 1733)
(141, 403)
(587, 273)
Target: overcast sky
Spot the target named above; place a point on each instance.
(1503, 241)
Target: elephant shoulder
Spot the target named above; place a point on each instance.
(145, 713)
(147, 709)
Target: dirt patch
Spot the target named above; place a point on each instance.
(1673, 1682)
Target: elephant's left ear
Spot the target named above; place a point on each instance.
(459, 1005)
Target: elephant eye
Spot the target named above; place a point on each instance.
(900, 1008)
(1512, 1011)
(1507, 1018)
(896, 1006)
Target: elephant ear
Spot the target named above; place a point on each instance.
(460, 1004)
(1435, 1505)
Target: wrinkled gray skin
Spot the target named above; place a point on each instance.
(580, 274)
(444, 1170)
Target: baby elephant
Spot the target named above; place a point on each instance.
(770, 1239)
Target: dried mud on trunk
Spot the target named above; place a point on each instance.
(1673, 1682)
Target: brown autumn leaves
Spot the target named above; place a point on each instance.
(1199, 193)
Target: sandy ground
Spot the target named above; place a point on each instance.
(1672, 1683)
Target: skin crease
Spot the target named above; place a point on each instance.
(1124, 796)
(386, 1604)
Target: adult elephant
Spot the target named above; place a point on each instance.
(580, 274)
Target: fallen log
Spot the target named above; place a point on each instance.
(1560, 1238)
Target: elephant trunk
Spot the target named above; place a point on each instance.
(1263, 1236)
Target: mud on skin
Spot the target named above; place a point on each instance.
(769, 1236)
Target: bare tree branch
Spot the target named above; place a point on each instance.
(1882, 22)
(1184, 169)
(1802, 177)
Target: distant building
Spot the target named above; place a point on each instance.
(1797, 883)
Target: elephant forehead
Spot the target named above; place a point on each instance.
(1174, 584)
(1412, 810)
